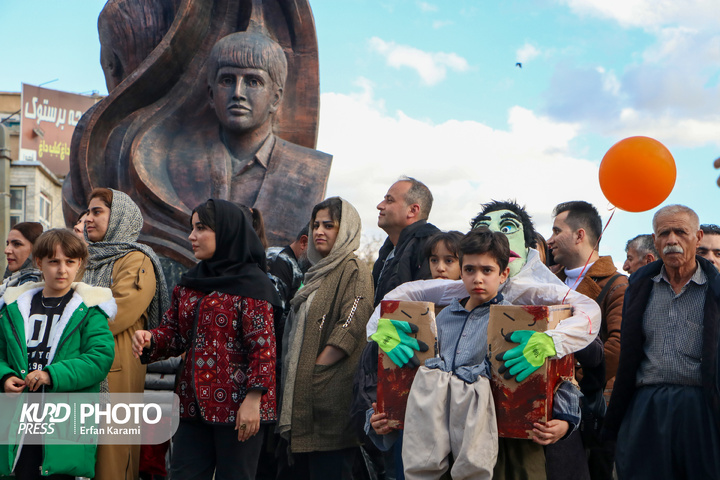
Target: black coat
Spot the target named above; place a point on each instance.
(409, 262)
(632, 340)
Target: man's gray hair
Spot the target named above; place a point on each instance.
(675, 210)
(419, 193)
(643, 244)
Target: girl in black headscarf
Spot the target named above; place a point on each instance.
(221, 315)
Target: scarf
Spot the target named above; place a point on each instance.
(120, 239)
(27, 273)
(237, 266)
(347, 241)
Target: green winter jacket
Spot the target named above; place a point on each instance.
(83, 356)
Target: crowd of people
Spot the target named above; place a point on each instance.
(280, 345)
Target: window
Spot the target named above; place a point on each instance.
(17, 205)
(45, 213)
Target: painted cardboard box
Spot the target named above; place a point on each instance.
(394, 382)
(519, 405)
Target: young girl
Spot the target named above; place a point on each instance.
(54, 337)
(442, 252)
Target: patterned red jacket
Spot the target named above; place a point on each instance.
(230, 345)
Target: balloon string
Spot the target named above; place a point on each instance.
(574, 285)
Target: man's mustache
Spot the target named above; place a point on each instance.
(673, 249)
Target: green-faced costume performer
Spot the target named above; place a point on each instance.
(530, 283)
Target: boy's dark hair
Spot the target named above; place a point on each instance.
(494, 206)
(30, 230)
(71, 246)
(451, 240)
(583, 215)
(483, 240)
(334, 206)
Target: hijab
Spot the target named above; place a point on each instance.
(27, 273)
(120, 239)
(347, 241)
(235, 267)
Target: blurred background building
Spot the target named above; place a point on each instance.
(36, 127)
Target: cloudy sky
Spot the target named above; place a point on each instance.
(431, 89)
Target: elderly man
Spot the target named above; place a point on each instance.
(640, 251)
(665, 408)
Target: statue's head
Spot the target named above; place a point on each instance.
(246, 76)
(249, 50)
(512, 220)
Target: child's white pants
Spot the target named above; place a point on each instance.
(444, 414)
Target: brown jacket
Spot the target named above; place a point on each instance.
(337, 316)
(133, 287)
(591, 285)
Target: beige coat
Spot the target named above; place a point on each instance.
(133, 287)
(337, 316)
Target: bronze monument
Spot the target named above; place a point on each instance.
(218, 108)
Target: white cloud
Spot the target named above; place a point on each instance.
(526, 53)
(431, 66)
(670, 130)
(465, 163)
(651, 13)
(610, 82)
(427, 7)
(437, 24)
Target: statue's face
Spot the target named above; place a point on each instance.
(244, 99)
(510, 224)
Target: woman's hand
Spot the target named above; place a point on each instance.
(14, 385)
(248, 417)
(36, 379)
(378, 421)
(329, 356)
(550, 432)
(140, 340)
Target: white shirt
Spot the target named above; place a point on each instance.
(534, 284)
(572, 275)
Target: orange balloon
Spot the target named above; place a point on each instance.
(637, 174)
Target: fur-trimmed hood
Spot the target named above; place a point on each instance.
(91, 296)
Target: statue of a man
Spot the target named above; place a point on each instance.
(239, 158)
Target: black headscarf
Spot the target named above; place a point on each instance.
(235, 267)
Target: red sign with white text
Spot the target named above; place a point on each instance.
(47, 122)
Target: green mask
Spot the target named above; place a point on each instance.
(507, 222)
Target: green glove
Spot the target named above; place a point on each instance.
(392, 337)
(527, 357)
